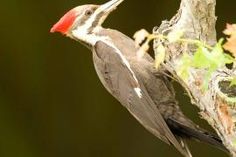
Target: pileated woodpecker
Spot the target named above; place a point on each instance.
(131, 80)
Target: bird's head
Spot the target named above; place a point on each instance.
(81, 22)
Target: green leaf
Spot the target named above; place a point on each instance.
(201, 58)
(205, 59)
(185, 64)
(233, 82)
(211, 60)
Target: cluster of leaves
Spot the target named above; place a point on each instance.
(206, 57)
(143, 38)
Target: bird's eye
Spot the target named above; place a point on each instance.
(88, 12)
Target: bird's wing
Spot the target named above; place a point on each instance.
(132, 94)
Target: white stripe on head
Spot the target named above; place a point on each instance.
(83, 32)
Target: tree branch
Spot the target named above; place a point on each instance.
(216, 103)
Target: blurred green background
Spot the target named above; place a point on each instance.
(51, 101)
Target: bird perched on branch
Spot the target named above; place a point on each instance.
(132, 81)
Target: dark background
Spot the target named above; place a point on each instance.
(51, 101)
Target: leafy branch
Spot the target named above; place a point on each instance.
(209, 58)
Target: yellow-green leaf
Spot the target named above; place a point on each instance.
(160, 55)
(233, 82)
(185, 64)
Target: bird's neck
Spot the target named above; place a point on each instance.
(89, 37)
(111, 37)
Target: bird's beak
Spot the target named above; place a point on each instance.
(107, 8)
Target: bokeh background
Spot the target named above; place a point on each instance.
(51, 101)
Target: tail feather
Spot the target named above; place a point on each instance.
(197, 134)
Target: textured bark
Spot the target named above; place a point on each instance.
(197, 19)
